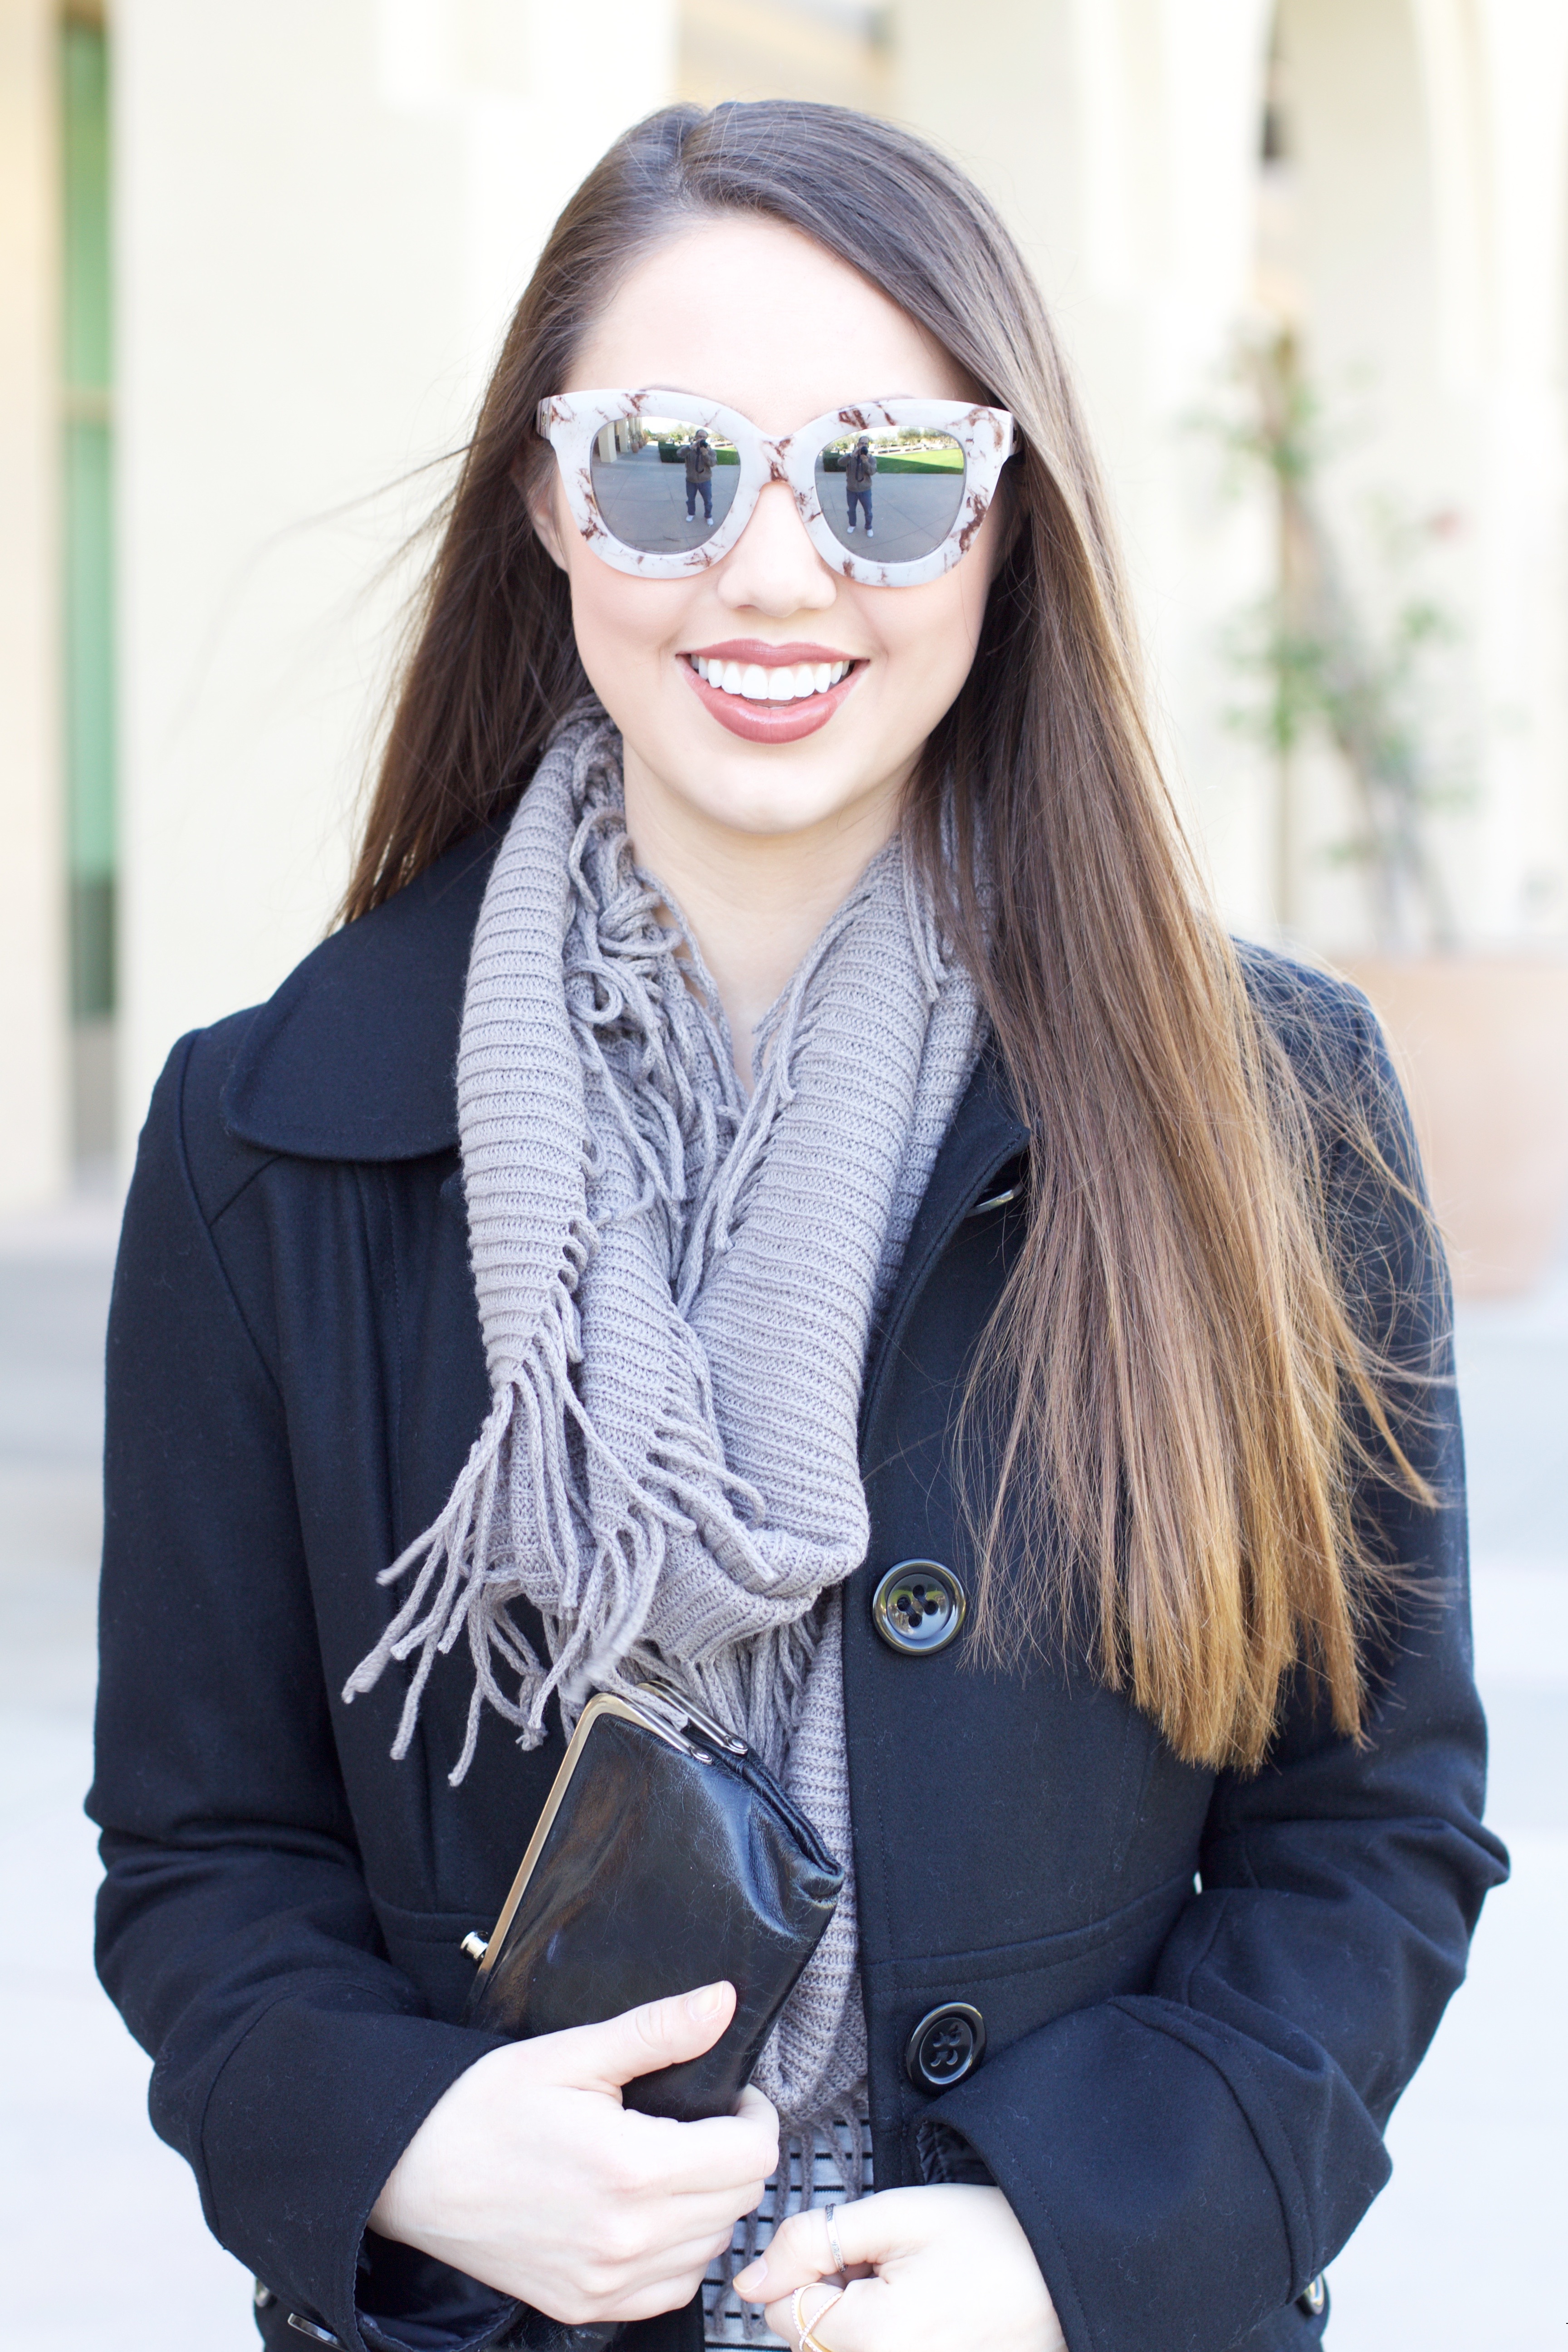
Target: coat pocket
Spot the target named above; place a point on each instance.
(427, 1945)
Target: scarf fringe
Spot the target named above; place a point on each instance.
(593, 1621)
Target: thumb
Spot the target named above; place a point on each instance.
(640, 2041)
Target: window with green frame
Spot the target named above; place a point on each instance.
(88, 456)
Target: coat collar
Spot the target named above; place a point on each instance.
(356, 1055)
(986, 1137)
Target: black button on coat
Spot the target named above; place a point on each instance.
(1202, 1994)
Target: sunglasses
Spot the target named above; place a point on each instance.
(891, 492)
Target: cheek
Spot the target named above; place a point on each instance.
(929, 636)
(622, 625)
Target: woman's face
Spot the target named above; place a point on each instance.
(756, 315)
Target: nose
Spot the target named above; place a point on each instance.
(773, 567)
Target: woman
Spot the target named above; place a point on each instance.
(884, 1258)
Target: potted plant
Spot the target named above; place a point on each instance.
(1481, 1039)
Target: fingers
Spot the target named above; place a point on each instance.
(753, 2107)
(672, 2294)
(851, 2317)
(806, 2305)
(732, 2154)
(640, 2041)
(798, 2252)
(679, 2222)
(953, 2266)
(688, 2257)
(623, 2274)
(800, 2248)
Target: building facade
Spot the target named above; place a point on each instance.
(256, 263)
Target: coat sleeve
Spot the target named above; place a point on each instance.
(291, 2062)
(1186, 2160)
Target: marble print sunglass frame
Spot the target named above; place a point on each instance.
(571, 421)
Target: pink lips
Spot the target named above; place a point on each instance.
(769, 722)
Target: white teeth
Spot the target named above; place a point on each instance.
(794, 683)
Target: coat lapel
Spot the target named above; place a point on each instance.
(986, 1136)
(356, 1055)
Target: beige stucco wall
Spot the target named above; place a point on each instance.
(1120, 139)
(323, 216)
(33, 1066)
(771, 48)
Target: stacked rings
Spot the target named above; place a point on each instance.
(806, 2338)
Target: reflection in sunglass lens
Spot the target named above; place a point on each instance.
(893, 494)
(661, 483)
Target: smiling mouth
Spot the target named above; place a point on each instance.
(771, 694)
(770, 683)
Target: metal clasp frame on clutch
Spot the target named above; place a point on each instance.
(656, 1690)
(661, 1707)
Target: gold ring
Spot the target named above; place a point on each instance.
(809, 2339)
(829, 2213)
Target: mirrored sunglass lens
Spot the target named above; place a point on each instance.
(661, 484)
(892, 495)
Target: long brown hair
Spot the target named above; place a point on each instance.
(1174, 1371)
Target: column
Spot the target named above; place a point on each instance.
(33, 1109)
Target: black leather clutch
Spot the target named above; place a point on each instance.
(665, 1857)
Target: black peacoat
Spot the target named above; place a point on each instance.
(1201, 1995)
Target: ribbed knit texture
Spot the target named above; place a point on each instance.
(677, 1287)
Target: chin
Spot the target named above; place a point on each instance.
(760, 788)
(761, 808)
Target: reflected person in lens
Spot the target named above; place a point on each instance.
(858, 468)
(698, 476)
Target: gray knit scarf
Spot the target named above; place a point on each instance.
(676, 1287)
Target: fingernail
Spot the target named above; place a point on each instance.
(701, 2006)
(757, 2274)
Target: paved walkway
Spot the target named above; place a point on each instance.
(101, 2243)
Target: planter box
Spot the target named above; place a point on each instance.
(1481, 1045)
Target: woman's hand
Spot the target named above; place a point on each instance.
(952, 2272)
(530, 2174)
